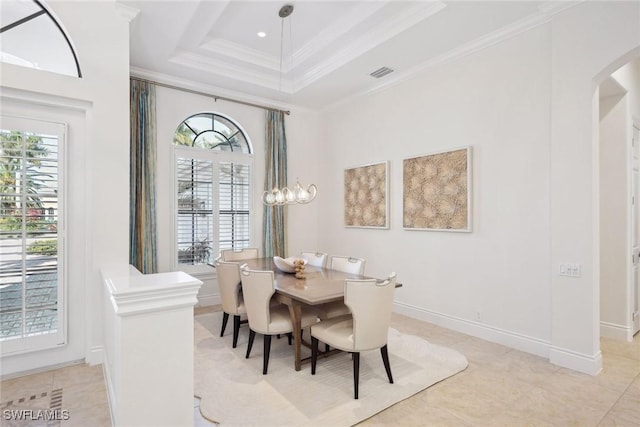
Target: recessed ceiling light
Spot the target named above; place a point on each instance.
(262, 34)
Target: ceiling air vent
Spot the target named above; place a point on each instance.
(381, 72)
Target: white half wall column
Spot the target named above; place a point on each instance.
(148, 335)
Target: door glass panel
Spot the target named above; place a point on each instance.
(30, 188)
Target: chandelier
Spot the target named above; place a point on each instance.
(299, 194)
(285, 196)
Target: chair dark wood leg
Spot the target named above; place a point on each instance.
(265, 357)
(327, 347)
(385, 360)
(356, 373)
(252, 335)
(225, 318)
(289, 337)
(314, 354)
(236, 330)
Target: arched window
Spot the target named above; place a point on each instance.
(31, 37)
(213, 188)
(212, 131)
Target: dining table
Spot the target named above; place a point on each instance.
(320, 286)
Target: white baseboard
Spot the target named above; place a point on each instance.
(562, 357)
(95, 355)
(615, 331)
(40, 369)
(110, 391)
(204, 300)
(478, 330)
(580, 362)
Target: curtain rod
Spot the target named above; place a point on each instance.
(215, 97)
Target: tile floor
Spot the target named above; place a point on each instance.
(81, 387)
(501, 387)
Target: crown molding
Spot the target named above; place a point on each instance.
(544, 15)
(242, 53)
(386, 29)
(205, 18)
(327, 36)
(222, 68)
(337, 29)
(127, 12)
(551, 8)
(213, 90)
(367, 41)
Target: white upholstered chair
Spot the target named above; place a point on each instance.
(318, 259)
(232, 302)
(347, 264)
(365, 329)
(239, 255)
(258, 287)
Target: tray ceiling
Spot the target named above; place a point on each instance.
(326, 50)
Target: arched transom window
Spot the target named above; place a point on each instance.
(213, 189)
(31, 37)
(212, 131)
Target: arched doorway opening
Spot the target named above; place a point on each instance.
(618, 143)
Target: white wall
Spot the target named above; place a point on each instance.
(527, 107)
(304, 149)
(616, 119)
(497, 102)
(628, 76)
(614, 218)
(99, 101)
(582, 55)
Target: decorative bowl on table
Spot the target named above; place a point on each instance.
(286, 264)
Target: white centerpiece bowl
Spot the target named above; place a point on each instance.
(286, 264)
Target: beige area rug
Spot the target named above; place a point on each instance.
(234, 392)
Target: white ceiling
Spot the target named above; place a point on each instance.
(330, 47)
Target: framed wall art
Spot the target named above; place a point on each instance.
(366, 196)
(436, 191)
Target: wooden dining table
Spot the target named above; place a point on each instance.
(321, 286)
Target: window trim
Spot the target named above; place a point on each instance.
(217, 156)
(35, 343)
(224, 116)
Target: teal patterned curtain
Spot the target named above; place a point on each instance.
(142, 189)
(274, 242)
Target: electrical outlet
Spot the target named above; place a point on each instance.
(570, 269)
(575, 270)
(479, 316)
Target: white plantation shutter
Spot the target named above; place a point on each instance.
(213, 189)
(234, 191)
(31, 235)
(195, 211)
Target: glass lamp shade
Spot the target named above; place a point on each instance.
(285, 196)
(305, 195)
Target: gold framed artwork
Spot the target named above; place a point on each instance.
(436, 191)
(366, 196)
